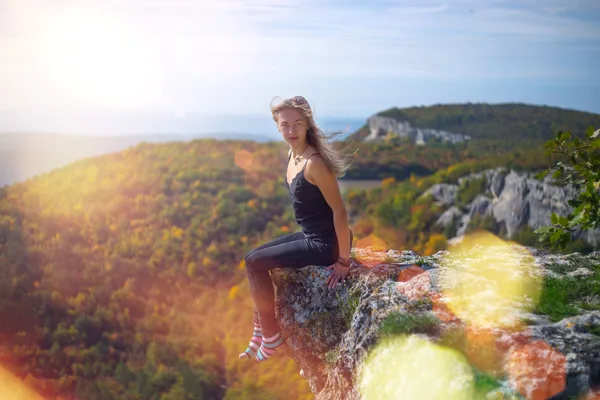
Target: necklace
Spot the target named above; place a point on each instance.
(297, 158)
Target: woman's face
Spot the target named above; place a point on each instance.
(293, 126)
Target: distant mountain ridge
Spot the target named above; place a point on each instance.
(512, 121)
(25, 155)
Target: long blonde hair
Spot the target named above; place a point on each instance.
(336, 161)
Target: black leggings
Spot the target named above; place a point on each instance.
(293, 250)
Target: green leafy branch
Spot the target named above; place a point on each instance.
(579, 166)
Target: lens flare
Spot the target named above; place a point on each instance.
(370, 250)
(483, 351)
(13, 388)
(537, 370)
(489, 282)
(410, 367)
(372, 241)
(244, 159)
(408, 273)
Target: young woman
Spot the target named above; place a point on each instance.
(325, 237)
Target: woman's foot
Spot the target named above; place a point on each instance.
(268, 346)
(254, 344)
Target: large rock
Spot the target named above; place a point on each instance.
(572, 338)
(380, 127)
(330, 333)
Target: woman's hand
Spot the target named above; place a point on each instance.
(338, 273)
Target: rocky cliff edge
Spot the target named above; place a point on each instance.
(400, 319)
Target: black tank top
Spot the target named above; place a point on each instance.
(311, 210)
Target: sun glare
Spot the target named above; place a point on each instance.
(97, 61)
(13, 388)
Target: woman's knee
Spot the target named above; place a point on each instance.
(253, 259)
(259, 259)
(249, 260)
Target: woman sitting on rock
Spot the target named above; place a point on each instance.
(325, 237)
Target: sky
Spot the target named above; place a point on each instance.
(349, 58)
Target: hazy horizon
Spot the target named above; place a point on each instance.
(164, 124)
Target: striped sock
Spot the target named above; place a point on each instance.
(255, 342)
(268, 346)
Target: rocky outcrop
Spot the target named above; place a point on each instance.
(331, 332)
(443, 192)
(513, 199)
(380, 127)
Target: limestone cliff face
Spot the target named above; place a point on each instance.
(330, 332)
(380, 127)
(513, 199)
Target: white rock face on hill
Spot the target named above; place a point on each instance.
(380, 127)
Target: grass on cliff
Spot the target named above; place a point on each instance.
(398, 323)
(484, 383)
(567, 296)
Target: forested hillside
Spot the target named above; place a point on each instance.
(508, 122)
(118, 274)
(393, 159)
(397, 216)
